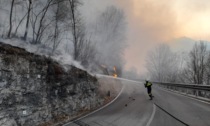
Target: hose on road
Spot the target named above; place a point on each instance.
(172, 115)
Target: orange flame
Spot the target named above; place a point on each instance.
(115, 69)
(115, 75)
(115, 72)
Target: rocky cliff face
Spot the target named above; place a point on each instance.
(35, 90)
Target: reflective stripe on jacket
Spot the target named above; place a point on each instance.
(148, 84)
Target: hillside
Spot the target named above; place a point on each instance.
(184, 44)
(37, 90)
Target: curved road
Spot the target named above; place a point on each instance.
(133, 108)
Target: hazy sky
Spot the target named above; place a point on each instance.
(155, 21)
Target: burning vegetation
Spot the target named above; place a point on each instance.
(110, 71)
(115, 72)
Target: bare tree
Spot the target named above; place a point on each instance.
(197, 63)
(56, 29)
(41, 26)
(207, 72)
(87, 49)
(75, 24)
(10, 19)
(16, 30)
(60, 15)
(109, 35)
(83, 48)
(38, 20)
(162, 64)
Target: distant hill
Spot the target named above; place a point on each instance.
(185, 44)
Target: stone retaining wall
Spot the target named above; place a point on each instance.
(35, 90)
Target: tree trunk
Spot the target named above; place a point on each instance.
(27, 22)
(10, 19)
(72, 5)
(38, 36)
(56, 28)
(16, 30)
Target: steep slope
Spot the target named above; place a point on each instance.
(35, 90)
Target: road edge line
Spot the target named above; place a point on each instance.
(118, 78)
(99, 108)
(152, 116)
(185, 95)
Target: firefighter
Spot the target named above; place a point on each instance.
(148, 85)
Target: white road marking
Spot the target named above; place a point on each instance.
(154, 107)
(152, 116)
(99, 108)
(118, 78)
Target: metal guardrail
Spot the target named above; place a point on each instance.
(201, 92)
(188, 86)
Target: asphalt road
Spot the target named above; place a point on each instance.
(133, 108)
(188, 110)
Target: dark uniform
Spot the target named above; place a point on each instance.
(148, 85)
